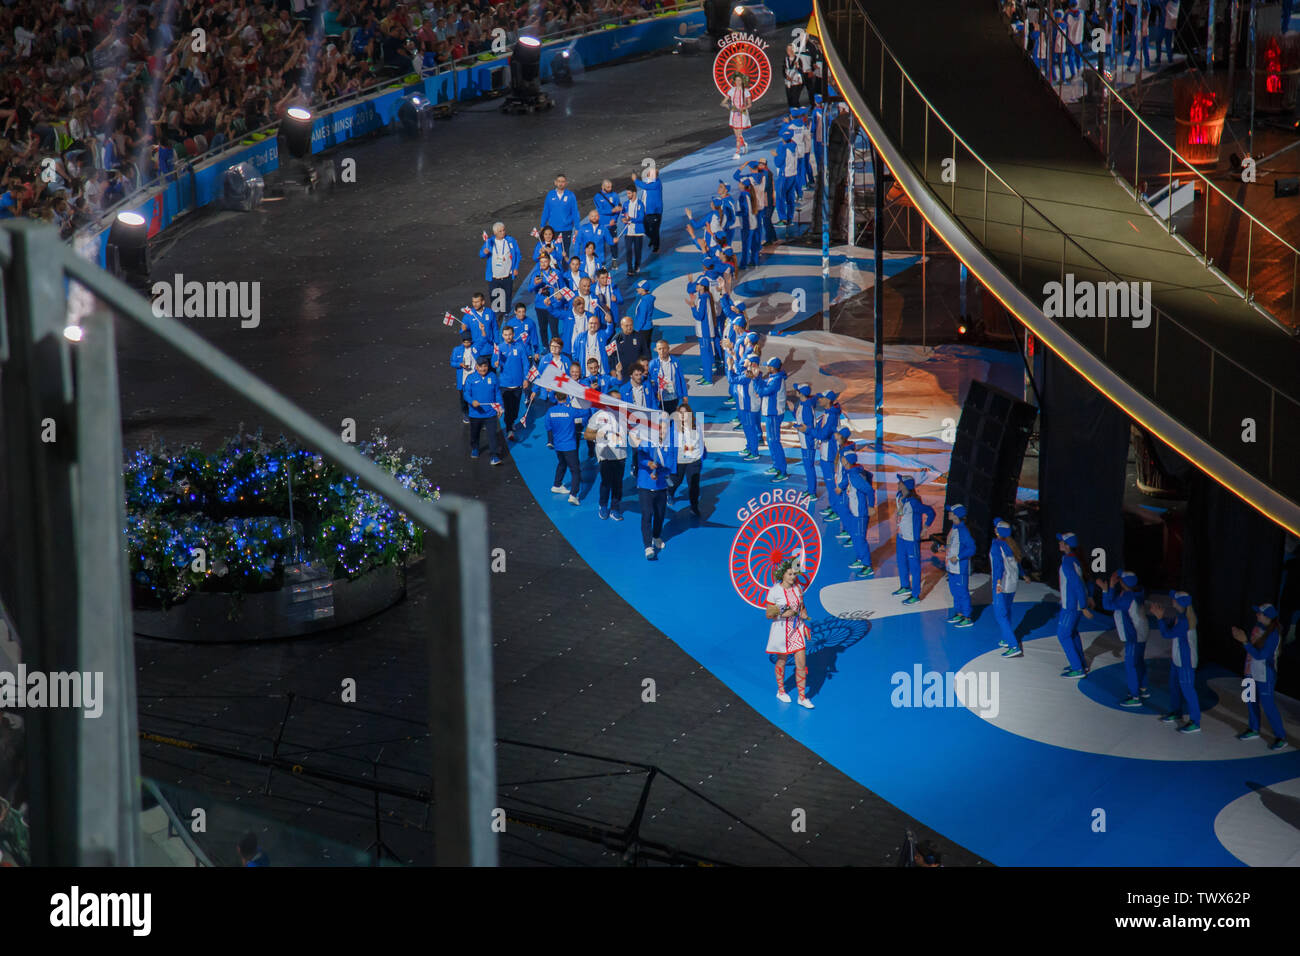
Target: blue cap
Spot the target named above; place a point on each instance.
(958, 511)
(738, 321)
(1268, 610)
(1069, 537)
(817, 98)
(803, 388)
(844, 433)
(774, 362)
(1002, 528)
(908, 482)
(723, 184)
(1129, 578)
(851, 457)
(751, 337)
(1182, 599)
(787, 134)
(1058, 14)
(1018, 27)
(642, 284)
(710, 262)
(830, 396)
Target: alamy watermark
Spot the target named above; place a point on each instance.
(1099, 300)
(25, 689)
(208, 300)
(976, 690)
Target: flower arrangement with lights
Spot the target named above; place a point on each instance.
(222, 522)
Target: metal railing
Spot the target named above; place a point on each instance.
(1271, 245)
(454, 67)
(998, 218)
(67, 585)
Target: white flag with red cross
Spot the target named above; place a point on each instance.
(638, 416)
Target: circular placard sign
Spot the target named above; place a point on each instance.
(746, 58)
(768, 537)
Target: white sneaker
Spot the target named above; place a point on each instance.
(559, 489)
(783, 697)
(805, 702)
(659, 543)
(650, 553)
(573, 500)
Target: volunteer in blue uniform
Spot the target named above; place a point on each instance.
(860, 498)
(744, 378)
(501, 267)
(910, 512)
(1004, 559)
(1262, 646)
(805, 423)
(656, 462)
(1126, 600)
(958, 550)
(651, 192)
(1074, 601)
(1178, 625)
(483, 393)
(565, 425)
(513, 364)
(771, 394)
(560, 210)
(462, 360)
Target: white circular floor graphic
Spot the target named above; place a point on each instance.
(1035, 702)
(1249, 827)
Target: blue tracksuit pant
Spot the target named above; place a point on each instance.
(959, 585)
(909, 566)
(1135, 666)
(749, 424)
(1067, 632)
(858, 532)
(810, 471)
(773, 433)
(1182, 687)
(1002, 614)
(1264, 701)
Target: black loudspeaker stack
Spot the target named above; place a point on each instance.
(992, 436)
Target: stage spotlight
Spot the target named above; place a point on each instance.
(296, 130)
(415, 114)
(961, 330)
(128, 248)
(526, 94)
(242, 187)
(560, 71)
(72, 333)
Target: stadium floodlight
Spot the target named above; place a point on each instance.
(415, 114)
(526, 95)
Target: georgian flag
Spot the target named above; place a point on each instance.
(566, 293)
(449, 319)
(533, 373)
(498, 409)
(535, 234)
(638, 416)
(611, 348)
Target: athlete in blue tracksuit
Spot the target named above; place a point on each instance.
(805, 417)
(787, 175)
(589, 343)
(482, 392)
(560, 210)
(651, 193)
(643, 319)
(1180, 629)
(481, 322)
(1262, 647)
(959, 549)
(764, 184)
(1074, 601)
(744, 379)
(860, 497)
(1006, 577)
(1074, 33)
(706, 327)
(609, 204)
(751, 226)
(462, 360)
(513, 363)
(911, 514)
(564, 423)
(771, 392)
(593, 230)
(1124, 598)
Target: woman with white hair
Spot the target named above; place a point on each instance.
(789, 632)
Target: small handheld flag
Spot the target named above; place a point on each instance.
(449, 319)
(485, 237)
(611, 348)
(533, 373)
(535, 234)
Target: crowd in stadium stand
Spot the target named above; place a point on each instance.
(99, 97)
